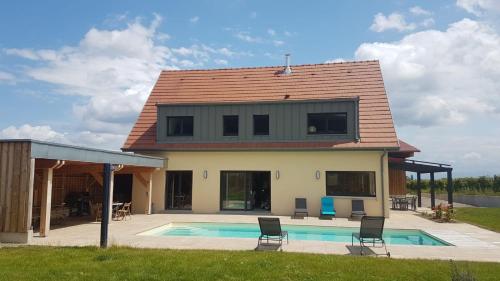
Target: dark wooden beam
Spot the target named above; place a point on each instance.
(105, 205)
(433, 192)
(449, 187)
(419, 190)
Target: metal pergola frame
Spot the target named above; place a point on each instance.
(424, 167)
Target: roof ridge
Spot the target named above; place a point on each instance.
(271, 66)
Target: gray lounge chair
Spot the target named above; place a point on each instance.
(270, 230)
(371, 231)
(301, 207)
(358, 209)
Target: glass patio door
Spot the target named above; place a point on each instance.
(179, 190)
(234, 187)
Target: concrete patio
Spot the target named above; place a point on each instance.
(469, 242)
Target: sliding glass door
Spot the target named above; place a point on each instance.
(245, 190)
(179, 190)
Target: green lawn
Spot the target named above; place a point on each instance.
(45, 263)
(484, 217)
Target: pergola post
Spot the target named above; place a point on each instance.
(149, 193)
(433, 193)
(419, 190)
(449, 187)
(105, 205)
(46, 201)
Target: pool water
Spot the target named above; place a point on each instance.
(295, 232)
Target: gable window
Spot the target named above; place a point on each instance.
(230, 125)
(327, 123)
(180, 125)
(261, 125)
(350, 184)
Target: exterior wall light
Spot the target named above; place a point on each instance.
(318, 174)
(277, 174)
(205, 174)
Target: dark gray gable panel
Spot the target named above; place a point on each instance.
(287, 121)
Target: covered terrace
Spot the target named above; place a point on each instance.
(38, 179)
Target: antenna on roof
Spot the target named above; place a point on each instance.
(287, 69)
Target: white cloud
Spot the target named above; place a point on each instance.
(46, 133)
(221, 62)
(194, 19)
(472, 156)
(271, 32)
(112, 73)
(6, 77)
(26, 131)
(393, 21)
(245, 36)
(479, 7)
(441, 77)
(278, 43)
(418, 11)
(428, 22)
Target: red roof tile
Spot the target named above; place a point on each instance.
(307, 82)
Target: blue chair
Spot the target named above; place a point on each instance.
(327, 207)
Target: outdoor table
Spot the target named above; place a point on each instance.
(115, 208)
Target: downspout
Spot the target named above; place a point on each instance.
(382, 177)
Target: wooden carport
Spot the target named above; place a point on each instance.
(23, 160)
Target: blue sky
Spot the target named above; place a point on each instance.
(80, 72)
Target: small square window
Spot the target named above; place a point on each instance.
(230, 125)
(261, 125)
(180, 126)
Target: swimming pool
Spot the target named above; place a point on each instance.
(295, 232)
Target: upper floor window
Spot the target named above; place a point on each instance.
(230, 125)
(350, 183)
(180, 125)
(327, 123)
(261, 125)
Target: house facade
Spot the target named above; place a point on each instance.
(254, 139)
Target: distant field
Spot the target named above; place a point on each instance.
(57, 263)
(484, 217)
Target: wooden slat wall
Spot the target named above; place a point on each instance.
(63, 184)
(16, 186)
(397, 182)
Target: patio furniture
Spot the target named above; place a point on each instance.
(327, 207)
(270, 230)
(97, 209)
(115, 207)
(400, 203)
(371, 231)
(124, 211)
(358, 209)
(301, 207)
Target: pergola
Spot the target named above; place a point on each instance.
(25, 162)
(423, 167)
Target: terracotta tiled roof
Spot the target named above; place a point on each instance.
(307, 82)
(406, 147)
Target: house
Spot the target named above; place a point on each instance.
(253, 139)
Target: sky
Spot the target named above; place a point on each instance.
(79, 72)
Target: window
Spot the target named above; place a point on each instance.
(327, 123)
(261, 125)
(230, 125)
(180, 126)
(350, 184)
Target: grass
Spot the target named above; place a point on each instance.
(484, 217)
(57, 263)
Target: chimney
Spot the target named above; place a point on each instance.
(287, 70)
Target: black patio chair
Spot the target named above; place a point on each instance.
(358, 209)
(301, 207)
(371, 231)
(270, 230)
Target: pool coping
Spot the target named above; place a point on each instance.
(153, 231)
